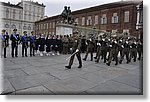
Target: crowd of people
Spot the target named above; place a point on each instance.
(106, 48)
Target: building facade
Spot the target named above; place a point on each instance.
(21, 16)
(120, 17)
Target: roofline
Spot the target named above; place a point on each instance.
(96, 8)
(10, 5)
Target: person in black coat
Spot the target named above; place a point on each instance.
(48, 44)
(41, 44)
(15, 38)
(54, 45)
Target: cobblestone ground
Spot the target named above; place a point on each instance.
(48, 75)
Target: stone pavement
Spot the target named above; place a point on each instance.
(48, 75)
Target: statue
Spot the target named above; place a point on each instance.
(66, 15)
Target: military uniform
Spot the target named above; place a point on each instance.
(15, 38)
(125, 51)
(32, 44)
(113, 53)
(139, 50)
(90, 49)
(5, 42)
(65, 45)
(76, 46)
(24, 42)
(41, 45)
(133, 51)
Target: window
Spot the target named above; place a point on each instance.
(14, 14)
(104, 19)
(96, 19)
(50, 25)
(30, 7)
(25, 15)
(114, 31)
(114, 18)
(89, 20)
(25, 6)
(126, 16)
(53, 24)
(7, 13)
(20, 14)
(29, 17)
(77, 20)
(83, 20)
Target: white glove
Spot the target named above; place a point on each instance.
(55, 45)
(110, 45)
(90, 39)
(71, 49)
(122, 46)
(115, 42)
(130, 46)
(77, 50)
(86, 43)
(51, 45)
(134, 42)
(127, 42)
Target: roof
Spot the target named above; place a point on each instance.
(34, 3)
(97, 8)
(10, 5)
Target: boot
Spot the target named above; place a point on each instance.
(69, 67)
(80, 66)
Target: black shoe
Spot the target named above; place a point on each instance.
(96, 61)
(22, 56)
(116, 64)
(26, 56)
(95, 57)
(127, 62)
(104, 61)
(135, 60)
(16, 56)
(84, 59)
(69, 67)
(33, 55)
(91, 60)
(5, 57)
(80, 66)
(120, 62)
(108, 64)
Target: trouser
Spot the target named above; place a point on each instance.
(133, 54)
(125, 52)
(139, 54)
(16, 51)
(32, 50)
(97, 51)
(78, 57)
(89, 50)
(113, 54)
(24, 49)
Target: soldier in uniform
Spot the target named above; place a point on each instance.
(65, 44)
(75, 49)
(113, 52)
(90, 48)
(32, 44)
(139, 49)
(125, 51)
(5, 41)
(24, 42)
(15, 38)
(133, 50)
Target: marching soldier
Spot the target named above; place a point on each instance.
(76, 51)
(90, 48)
(15, 38)
(113, 53)
(5, 41)
(32, 44)
(139, 49)
(24, 42)
(37, 43)
(133, 50)
(125, 51)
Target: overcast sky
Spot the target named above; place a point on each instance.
(55, 7)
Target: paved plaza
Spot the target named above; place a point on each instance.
(48, 75)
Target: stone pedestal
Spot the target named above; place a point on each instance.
(64, 29)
